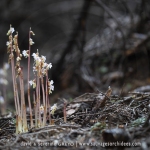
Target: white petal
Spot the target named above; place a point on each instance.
(31, 82)
(44, 58)
(51, 82)
(12, 29)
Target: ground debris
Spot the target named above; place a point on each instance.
(89, 125)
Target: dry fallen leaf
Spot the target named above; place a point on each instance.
(70, 111)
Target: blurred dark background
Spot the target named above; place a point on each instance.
(91, 43)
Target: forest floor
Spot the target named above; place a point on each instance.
(99, 120)
(94, 121)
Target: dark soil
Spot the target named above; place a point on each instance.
(120, 123)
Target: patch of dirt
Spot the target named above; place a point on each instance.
(94, 121)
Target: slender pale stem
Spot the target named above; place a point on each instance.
(29, 101)
(47, 102)
(16, 97)
(38, 113)
(37, 104)
(13, 73)
(35, 112)
(44, 102)
(43, 90)
(24, 119)
(39, 97)
(46, 87)
(48, 106)
(21, 97)
(65, 119)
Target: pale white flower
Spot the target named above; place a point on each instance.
(49, 91)
(19, 70)
(34, 69)
(32, 32)
(37, 62)
(49, 66)
(38, 59)
(25, 53)
(50, 86)
(10, 31)
(44, 65)
(51, 82)
(18, 58)
(43, 71)
(43, 58)
(34, 55)
(32, 83)
(53, 109)
(31, 41)
(41, 109)
(7, 43)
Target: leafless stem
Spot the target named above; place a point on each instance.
(24, 119)
(65, 118)
(47, 104)
(29, 101)
(44, 102)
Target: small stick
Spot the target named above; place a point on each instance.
(65, 117)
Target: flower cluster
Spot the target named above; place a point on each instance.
(9, 43)
(25, 53)
(32, 83)
(50, 86)
(53, 109)
(40, 65)
(10, 31)
(41, 81)
(31, 41)
(41, 109)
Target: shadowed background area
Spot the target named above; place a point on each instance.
(91, 43)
